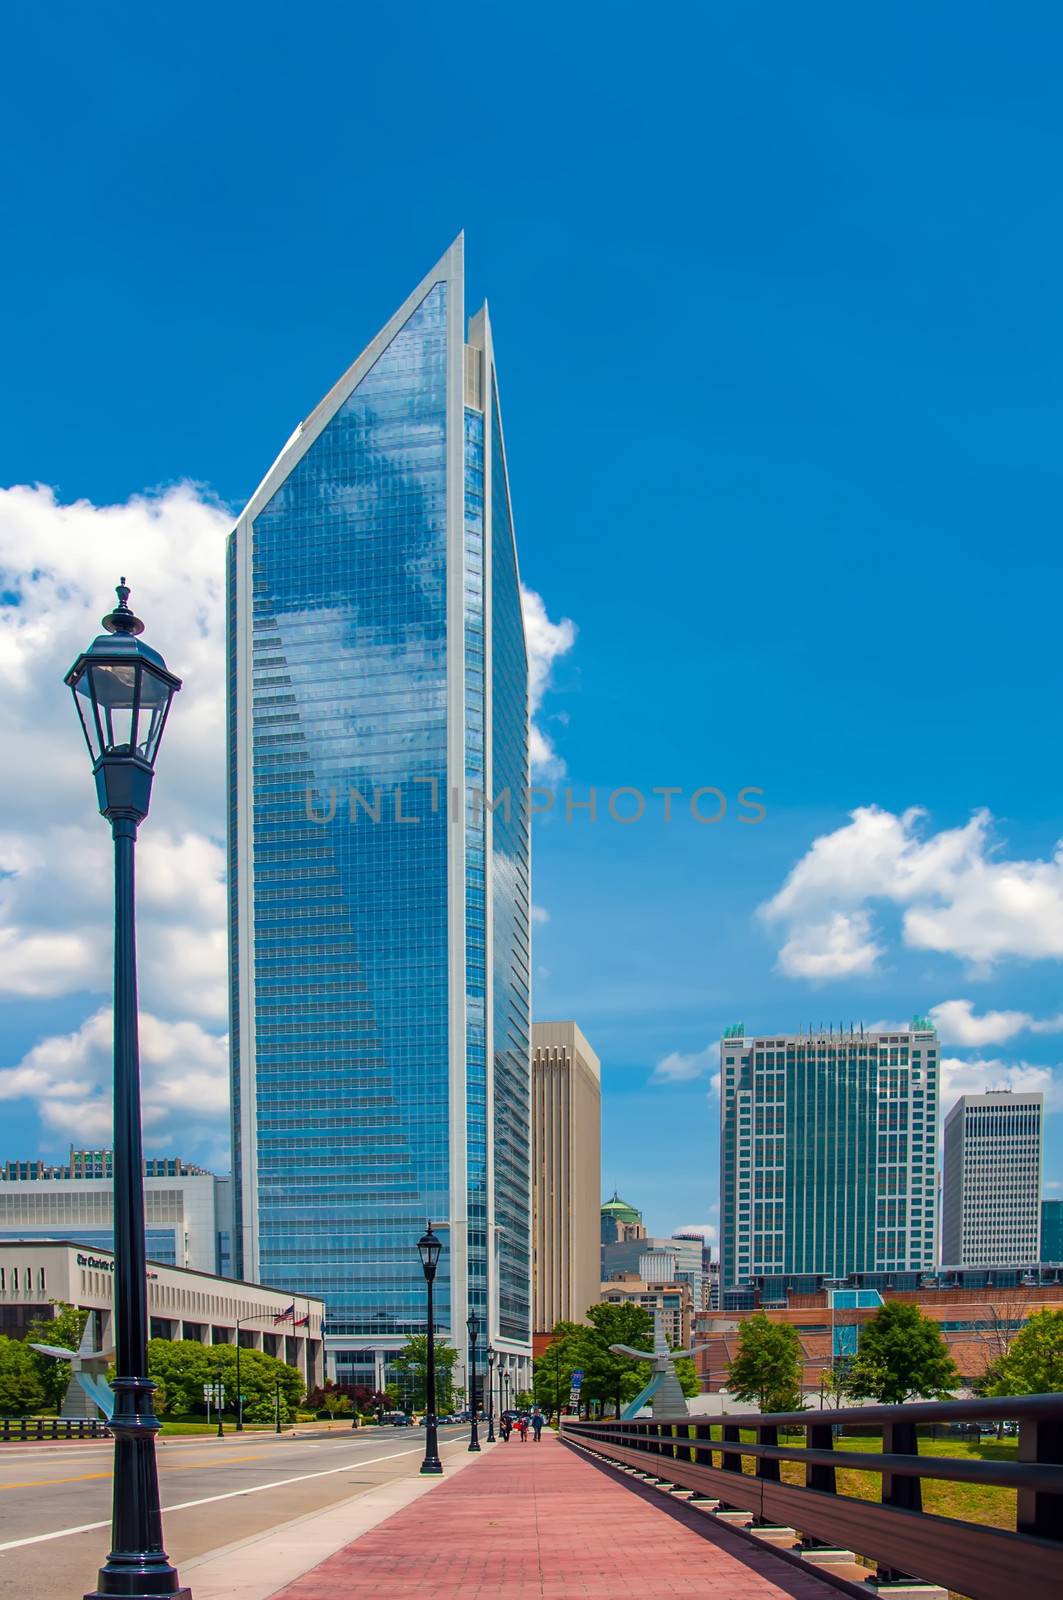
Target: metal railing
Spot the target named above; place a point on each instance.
(33, 1428)
(968, 1557)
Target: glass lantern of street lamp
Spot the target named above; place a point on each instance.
(428, 1248)
(122, 690)
(473, 1325)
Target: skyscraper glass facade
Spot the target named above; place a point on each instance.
(827, 1154)
(361, 714)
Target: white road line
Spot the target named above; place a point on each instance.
(232, 1494)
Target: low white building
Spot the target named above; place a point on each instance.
(188, 1212)
(182, 1304)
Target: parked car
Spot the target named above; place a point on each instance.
(397, 1419)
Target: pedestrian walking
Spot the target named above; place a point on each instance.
(505, 1427)
(522, 1429)
(537, 1425)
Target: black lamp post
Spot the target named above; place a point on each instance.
(473, 1325)
(428, 1248)
(239, 1395)
(219, 1395)
(277, 1426)
(491, 1395)
(122, 690)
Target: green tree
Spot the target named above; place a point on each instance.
(65, 1329)
(901, 1354)
(767, 1365)
(411, 1364)
(183, 1366)
(21, 1391)
(1034, 1362)
(608, 1378)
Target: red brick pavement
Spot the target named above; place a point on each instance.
(543, 1521)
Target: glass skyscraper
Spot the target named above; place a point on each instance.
(828, 1151)
(379, 850)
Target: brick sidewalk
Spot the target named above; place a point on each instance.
(541, 1520)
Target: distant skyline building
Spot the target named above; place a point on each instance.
(827, 1153)
(379, 906)
(1052, 1231)
(991, 1180)
(566, 1173)
(620, 1221)
(188, 1211)
(673, 1260)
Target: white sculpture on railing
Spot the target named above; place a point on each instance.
(664, 1388)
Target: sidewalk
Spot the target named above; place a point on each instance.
(541, 1520)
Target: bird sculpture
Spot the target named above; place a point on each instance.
(88, 1375)
(664, 1388)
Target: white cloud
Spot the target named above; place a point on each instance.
(682, 1068)
(838, 947)
(61, 562)
(539, 914)
(546, 641)
(956, 1023)
(184, 1073)
(959, 896)
(979, 1076)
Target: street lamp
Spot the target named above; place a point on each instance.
(428, 1248)
(277, 1425)
(491, 1359)
(473, 1325)
(122, 690)
(219, 1394)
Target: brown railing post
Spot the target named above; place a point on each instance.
(732, 1459)
(1040, 1440)
(901, 1439)
(820, 1436)
(768, 1434)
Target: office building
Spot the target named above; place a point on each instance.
(672, 1300)
(566, 1173)
(1052, 1231)
(35, 1274)
(991, 1182)
(620, 1222)
(681, 1260)
(827, 1153)
(379, 851)
(188, 1210)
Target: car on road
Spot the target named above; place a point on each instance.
(397, 1419)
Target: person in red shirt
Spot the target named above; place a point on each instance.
(522, 1429)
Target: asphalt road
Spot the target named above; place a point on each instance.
(55, 1503)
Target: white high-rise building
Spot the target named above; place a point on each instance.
(991, 1189)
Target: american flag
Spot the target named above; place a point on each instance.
(285, 1316)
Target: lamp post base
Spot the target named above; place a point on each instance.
(434, 1465)
(130, 1580)
(140, 1594)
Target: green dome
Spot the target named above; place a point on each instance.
(620, 1210)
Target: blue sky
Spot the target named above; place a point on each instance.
(775, 297)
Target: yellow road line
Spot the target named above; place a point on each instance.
(84, 1477)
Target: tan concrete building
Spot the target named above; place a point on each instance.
(566, 1174)
(674, 1301)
